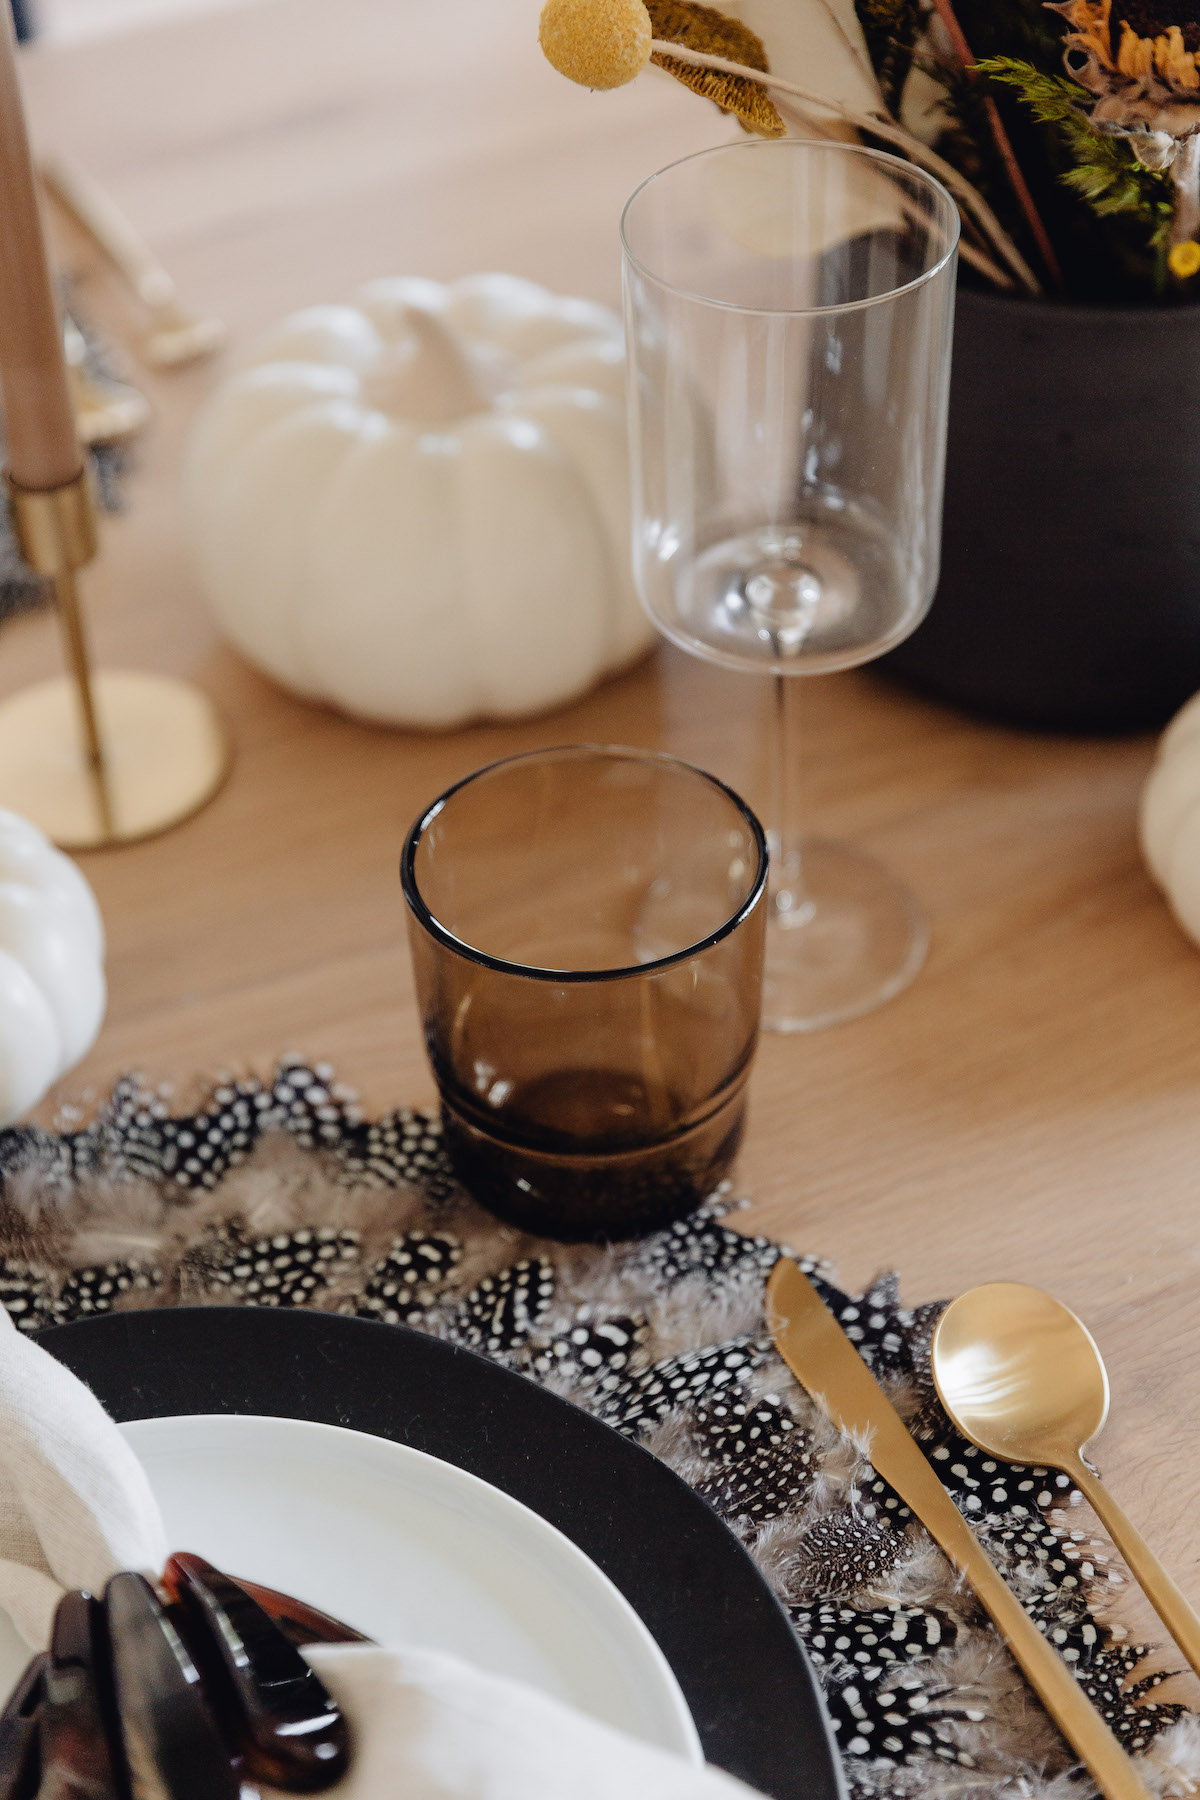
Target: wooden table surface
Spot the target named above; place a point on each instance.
(1027, 1110)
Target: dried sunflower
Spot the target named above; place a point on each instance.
(1142, 67)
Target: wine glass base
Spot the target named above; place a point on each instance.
(856, 942)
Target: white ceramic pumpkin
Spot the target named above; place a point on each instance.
(1170, 816)
(51, 965)
(417, 506)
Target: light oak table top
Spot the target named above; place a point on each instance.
(1027, 1110)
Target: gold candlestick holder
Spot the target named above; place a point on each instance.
(98, 757)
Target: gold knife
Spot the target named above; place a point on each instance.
(823, 1360)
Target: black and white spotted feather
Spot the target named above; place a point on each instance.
(407, 1282)
(27, 1293)
(595, 1350)
(764, 1461)
(279, 1193)
(286, 1268)
(843, 1552)
(702, 1245)
(500, 1314)
(649, 1395)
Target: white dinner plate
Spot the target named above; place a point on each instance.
(406, 1549)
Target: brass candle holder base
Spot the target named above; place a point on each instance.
(165, 754)
(108, 757)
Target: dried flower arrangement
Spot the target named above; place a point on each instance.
(1068, 131)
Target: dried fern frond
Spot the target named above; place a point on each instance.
(1104, 171)
(704, 28)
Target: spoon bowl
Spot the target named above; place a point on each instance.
(1019, 1374)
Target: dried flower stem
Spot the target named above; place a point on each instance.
(983, 265)
(963, 191)
(968, 249)
(1003, 143)
(861, 62)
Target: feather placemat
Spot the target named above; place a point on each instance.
(280, 1193)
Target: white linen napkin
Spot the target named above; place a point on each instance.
(75, 1504)
(427, 1726)
(76, 1507)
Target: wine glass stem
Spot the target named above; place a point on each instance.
(789, 900)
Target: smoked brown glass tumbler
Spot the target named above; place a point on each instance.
(587, 933)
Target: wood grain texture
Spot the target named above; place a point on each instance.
(1027, 1110)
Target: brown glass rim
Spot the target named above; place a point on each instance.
(436, 930)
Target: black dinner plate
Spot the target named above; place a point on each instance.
(742, 1670)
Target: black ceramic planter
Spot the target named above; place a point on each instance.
(1070, 588)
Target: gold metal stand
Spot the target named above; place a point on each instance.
(99, 758)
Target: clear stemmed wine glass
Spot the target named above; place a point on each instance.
(789, 308)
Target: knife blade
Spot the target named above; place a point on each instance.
(826, 1363)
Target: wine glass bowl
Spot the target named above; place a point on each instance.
(789, 307)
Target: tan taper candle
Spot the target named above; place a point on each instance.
(42, 445)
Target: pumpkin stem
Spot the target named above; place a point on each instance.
(428, 378)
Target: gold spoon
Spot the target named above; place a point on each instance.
(1021, 1377)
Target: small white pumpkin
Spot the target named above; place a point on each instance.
(1169, 822)
(417, 507)
(51, 965)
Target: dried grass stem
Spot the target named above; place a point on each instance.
(968, 197)
(1004, 149)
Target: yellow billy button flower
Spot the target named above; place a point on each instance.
(598, 43)
(1183, 259)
